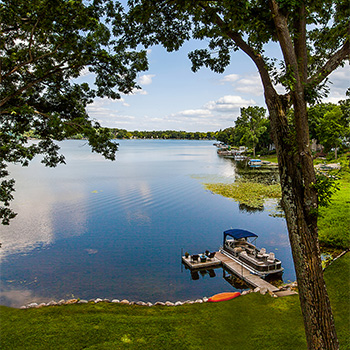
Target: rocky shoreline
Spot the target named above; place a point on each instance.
(288, 289)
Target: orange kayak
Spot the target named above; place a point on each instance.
(224, 296)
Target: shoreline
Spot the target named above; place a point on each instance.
(285, 289)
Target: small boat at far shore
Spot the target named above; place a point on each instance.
(254, 163)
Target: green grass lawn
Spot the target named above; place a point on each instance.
(248, 322)
(334, 221)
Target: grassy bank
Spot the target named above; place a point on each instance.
(249, 322)
(334, 221)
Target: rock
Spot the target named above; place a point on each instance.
(61, 302)
(141, 303)
(178, 303)
(159, 303)
(245, 292)
(191, 302)
(205, 299)
(124, 301)
(32, 305)
(169, 303)
(149, 304)
(71, 301)
(106, 300)
(199, 301)
(257, 290)
(51, 303)
(41, 305)
(23, 307)
(263, 291)
(82, 301)
(91, 300)
(98, 300)
(115, 301)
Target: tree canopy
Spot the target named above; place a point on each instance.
(250, 125)
(314, 40)
(47, 47)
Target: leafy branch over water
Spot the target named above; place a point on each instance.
(252, 194)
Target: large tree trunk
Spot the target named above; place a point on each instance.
(299, 200)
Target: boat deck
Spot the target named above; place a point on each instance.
(232, 266)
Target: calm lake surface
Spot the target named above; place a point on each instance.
(100, 229)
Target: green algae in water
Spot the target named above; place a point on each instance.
(251, 194)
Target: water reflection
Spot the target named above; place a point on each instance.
(17, 297)
(229, 277)
(265, 174)
(250, 210)
(234, 281)
(39, 206)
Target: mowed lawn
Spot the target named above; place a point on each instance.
(248, 322)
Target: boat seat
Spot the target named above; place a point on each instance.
(237, 250)
(271, 258)
(262, 253)
(250, 250)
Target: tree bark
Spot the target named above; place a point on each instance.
(298, 200)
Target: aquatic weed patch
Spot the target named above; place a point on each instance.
(252, 194)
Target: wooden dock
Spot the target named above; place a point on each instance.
(244, 274)
(215, 262)
(232, 266)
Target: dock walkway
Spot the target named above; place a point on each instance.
(244, 273)
(232, 266)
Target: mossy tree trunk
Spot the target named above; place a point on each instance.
(299, 201)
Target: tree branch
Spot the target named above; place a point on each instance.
(32, 83)
(256, 57)
(300, 42)
(31, 41)
(332, 64)
(31, 60)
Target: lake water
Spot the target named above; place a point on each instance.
(96, 228)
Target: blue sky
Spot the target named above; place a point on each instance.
(175, 98)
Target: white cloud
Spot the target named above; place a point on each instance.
(250, 85)
(139, 92)
(229, 103)
(214, 115)
(230, 78)
(146, 79)
(340, 82)
(195, 112)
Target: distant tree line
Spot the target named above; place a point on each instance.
(167, 134)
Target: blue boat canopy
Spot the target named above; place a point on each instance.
(238, 233)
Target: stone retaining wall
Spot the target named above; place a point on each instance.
(286, 287)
